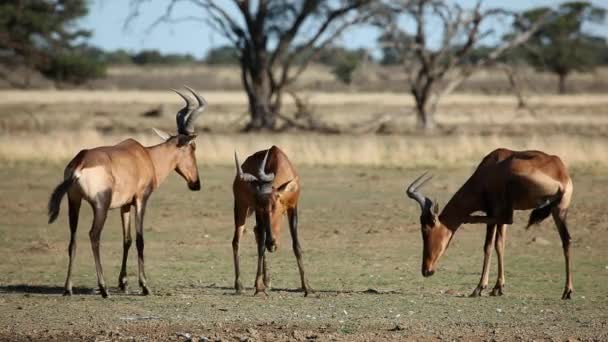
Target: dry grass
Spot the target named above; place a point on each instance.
(18, 97)
(312, 149)
(55, 125)
(368, 78)
(362, 251)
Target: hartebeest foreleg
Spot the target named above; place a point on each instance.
(487, 256)
(501, 236)
(260, 238)
(140, 209)
(292, 214)
(240, 215)
(100, 212)
(125, 215)
(559, 216)
(266, 263)
(74, 211)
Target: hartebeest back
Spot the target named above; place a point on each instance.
(504, 181)
(268, 185)
(123, 176)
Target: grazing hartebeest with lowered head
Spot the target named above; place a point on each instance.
(267, 184)
(503, 182)
(122, 176)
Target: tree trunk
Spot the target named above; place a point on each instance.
(562, 83)
(425, 118)
(424, 115)
(257, 85)
(262, 114)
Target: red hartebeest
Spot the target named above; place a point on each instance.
(503, 182)
(267, 184)
(123, 176)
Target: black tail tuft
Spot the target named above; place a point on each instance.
(542, 212)
(56, 196)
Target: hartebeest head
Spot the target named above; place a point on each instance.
(435, 235)
(183, 141)
(268, 204)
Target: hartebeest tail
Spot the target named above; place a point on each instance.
(57, 195)
(124, 176)
(504, 181)
(542, 212)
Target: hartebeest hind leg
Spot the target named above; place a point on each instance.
(240, 215)
(487, 256)
(74, 211)
(559, 216)
(501, 236)
(125, 215)
(292, 214)
(100, 212)
(140, 209)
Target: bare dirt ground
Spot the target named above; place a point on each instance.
(362, 252)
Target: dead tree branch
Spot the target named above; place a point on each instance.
(434, 72)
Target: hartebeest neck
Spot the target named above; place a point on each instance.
(164, 158)
(459, 208)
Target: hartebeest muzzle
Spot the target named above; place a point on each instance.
(195, 186)
(427, 272)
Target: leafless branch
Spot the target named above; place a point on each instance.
(434, 73)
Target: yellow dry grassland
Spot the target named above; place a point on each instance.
(55, 125)
(315, 149)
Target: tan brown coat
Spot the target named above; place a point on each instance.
(268, 185)
(504, 181)
(124, 176)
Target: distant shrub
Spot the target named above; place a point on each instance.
(344, 63)
(146, 57)
(73, 68)
(223, 55)
(118, 57)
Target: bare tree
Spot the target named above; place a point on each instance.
(276, 40)
(434, 72)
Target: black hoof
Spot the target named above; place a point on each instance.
(263, 291)
(145, 291)
(123, 287)
(496, 293)
(476, 293)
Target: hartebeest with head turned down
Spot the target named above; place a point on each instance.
(504, 181)
(124, 176)
(268, 185)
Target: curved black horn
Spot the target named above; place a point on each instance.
(183, 114)
(202, 103)
(196, 111)
(266, 177)
(413, 193)
(246, 177)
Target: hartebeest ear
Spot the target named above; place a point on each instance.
(162, 134)
(435, 208)
(183, 140)
(290, 186)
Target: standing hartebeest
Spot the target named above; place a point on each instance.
(123, 176)
(267, 184)
(503, 182)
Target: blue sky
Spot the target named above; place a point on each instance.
(106, 18)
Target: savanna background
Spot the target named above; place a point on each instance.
(362, 110)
